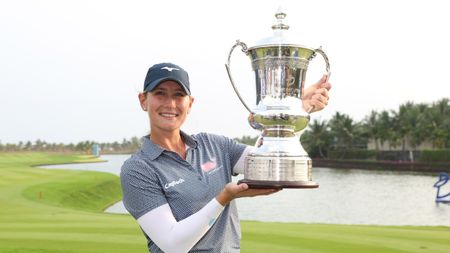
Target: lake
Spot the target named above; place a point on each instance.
(345, 196)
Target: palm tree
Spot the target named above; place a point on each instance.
(344, 131)
(372, 128)
(439, 117)
(404, 120)
(386, 132)
(317, 138)
(420, 126)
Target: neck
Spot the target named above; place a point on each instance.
(170, 141)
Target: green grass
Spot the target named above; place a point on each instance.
(58, 211)
(339, 238)
(39, 211)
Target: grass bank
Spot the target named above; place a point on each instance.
(57, 211)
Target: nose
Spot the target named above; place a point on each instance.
(171, 102)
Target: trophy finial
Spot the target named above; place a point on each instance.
(280, 15)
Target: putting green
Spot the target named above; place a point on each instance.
(58, 211)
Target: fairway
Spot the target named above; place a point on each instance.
(59, 211)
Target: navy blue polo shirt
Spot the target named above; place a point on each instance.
(154, 176)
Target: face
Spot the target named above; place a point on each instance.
(167, 106)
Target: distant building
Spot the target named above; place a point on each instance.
(95, 150)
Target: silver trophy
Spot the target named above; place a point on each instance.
(279, 160)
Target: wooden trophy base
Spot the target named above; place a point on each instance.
(263, 184)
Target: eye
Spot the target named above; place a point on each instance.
(180, 94)
(158, 93)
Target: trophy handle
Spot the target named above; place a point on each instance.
(327, 62)
(227, 66)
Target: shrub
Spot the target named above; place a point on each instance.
(357, 154)
(442, 155)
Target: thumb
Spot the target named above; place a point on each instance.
(243, 187)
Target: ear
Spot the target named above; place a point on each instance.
(191, 101)
(143, 101)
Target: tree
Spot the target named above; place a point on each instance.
(317, 139)
(342, 127)
(404, 119)
(135, 143)
(38, 145)
(439, 117)
(421, 129)
(28, 145)
(372, 127)
(386, 131)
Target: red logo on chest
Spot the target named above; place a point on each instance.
(210, 165)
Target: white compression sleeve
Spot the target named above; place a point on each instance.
(239, 166)
(179, 237)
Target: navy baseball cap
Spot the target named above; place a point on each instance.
(161, 72)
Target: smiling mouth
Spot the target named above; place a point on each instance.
(168, 115)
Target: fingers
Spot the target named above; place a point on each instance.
(315, 105)
(233, 191)
(321, 95)
(318, 101)
(242, 187)
(321, 84)
(315, 97)
(326, 85)
(258, 192)
(245, 191)
(319, 98)
(321, 92)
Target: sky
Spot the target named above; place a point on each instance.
(71, 71)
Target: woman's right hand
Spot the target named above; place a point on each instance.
(232, 191)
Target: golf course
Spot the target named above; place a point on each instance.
(61, 211)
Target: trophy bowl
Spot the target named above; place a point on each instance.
(278, 159)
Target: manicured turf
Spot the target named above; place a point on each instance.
(57, 211)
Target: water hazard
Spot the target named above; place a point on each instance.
(345, 196)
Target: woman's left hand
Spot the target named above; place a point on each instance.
(315, 97)
(233, 191)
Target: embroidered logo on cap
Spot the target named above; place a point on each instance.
(169, 69)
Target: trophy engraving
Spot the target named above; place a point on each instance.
(278, 160)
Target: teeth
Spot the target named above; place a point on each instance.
(170, 115)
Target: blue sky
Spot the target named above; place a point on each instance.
(71, 70)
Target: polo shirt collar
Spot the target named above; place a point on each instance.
(154, 151)
(188, 139)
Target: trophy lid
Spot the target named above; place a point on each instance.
(279, 36)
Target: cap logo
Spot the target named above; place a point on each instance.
(169, 69)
